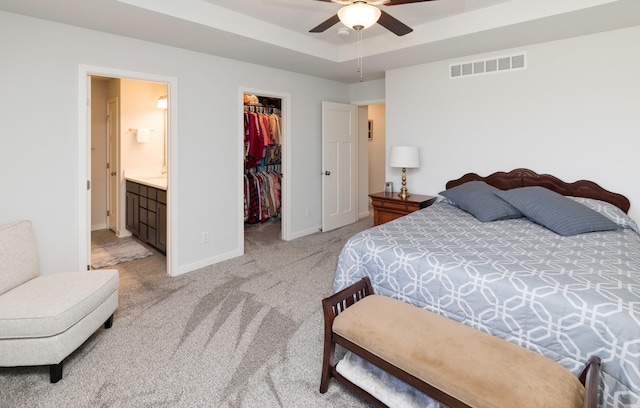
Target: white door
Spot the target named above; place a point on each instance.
(112, 164)
(339, 165)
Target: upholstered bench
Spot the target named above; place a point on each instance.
(447, 360)
(44, 318)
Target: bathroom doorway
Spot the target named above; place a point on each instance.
(150, 130)
(128, 145)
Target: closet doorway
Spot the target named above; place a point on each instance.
(265, 130)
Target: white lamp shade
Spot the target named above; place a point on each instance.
(359, 15)
(404, 156)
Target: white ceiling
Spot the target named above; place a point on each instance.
(275, 32)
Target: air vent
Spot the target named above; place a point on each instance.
(488, 66)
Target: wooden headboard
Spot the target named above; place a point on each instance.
(525, 177)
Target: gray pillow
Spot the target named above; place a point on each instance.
(555, 211)
(478, 198)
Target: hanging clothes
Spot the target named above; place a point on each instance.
(262, 136)
(262, 196)
(263, 156)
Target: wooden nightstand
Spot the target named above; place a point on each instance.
(388, 206)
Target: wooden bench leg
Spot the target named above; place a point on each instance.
(327, 359)
(331, 307)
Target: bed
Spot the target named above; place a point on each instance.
(567, 297)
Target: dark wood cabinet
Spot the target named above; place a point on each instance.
(162, 221)
(389, 206)
(133, 202)
(147, 214)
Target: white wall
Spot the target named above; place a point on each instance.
(574, 113)
(39, 159)
(367, 93)
(139, 109)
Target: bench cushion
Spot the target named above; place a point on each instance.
(50, 304)
(466, 363)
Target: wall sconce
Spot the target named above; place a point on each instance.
(405, 157)
(162, 102)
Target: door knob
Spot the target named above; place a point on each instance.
(113, 173)
(327, 173)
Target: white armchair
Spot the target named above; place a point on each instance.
(44, 318)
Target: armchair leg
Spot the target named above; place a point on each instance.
(55, 372)
(109, 322)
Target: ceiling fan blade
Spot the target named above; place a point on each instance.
(393, 24)
(325, 25)
(398, 2)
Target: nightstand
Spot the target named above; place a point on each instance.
(388, 206)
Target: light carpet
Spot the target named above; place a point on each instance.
(117, 252)
(246, 332)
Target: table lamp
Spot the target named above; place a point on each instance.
(406, 157)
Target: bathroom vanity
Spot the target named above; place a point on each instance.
(147, 211)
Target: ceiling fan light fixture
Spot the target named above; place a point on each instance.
(359, 15)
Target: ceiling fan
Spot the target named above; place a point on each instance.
(369, 8)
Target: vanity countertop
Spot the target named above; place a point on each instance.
(152, 180)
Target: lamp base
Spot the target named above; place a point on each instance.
(404, 193)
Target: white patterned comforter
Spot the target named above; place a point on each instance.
(565, 297)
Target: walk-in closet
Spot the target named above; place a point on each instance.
(263, 139)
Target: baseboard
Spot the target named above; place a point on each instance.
(364, 215)
(207, 262)
(123, 234)
(97, 227)
(306, 232)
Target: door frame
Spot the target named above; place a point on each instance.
(114, 163)
(84, 159)
(285, 200)
(363, 155)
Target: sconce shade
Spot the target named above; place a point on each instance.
(359, 15)
(404, 156)
(162, 102)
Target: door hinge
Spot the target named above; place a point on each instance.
(88, 184)
(108, 165)
(108, 213)
(88, 267)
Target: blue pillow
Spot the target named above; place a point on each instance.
(478, 198)
(555, 211)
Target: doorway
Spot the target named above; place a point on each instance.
(377, 147)
(87, 156)
(131, 138)
(265, 166)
